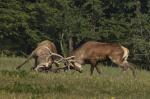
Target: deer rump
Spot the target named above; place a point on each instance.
(93, 52)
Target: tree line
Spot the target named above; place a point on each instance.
(69, 23)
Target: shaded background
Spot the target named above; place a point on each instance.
(70, 23)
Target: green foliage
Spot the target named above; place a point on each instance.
(24, 23)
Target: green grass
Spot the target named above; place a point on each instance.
(112, 84)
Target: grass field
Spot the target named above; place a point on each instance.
(112, 84)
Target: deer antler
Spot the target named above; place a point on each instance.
(67, 61)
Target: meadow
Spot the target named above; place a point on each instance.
(111, 84)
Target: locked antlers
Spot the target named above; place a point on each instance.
(69, 62)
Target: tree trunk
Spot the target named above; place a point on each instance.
(70, 44)
(61, 44)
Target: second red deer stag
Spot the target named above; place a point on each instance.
(92, 52)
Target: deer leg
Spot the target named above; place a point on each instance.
(125, 65)
(92, 69)
(35, 64)
(98, 70)
(131, 67)
(119, 62)
(93, 65)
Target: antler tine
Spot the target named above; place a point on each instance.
(53, 54)
(72, 60)
(58, 61)
(71, 57)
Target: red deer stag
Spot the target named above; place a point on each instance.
(41, 55)
(92, 52)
